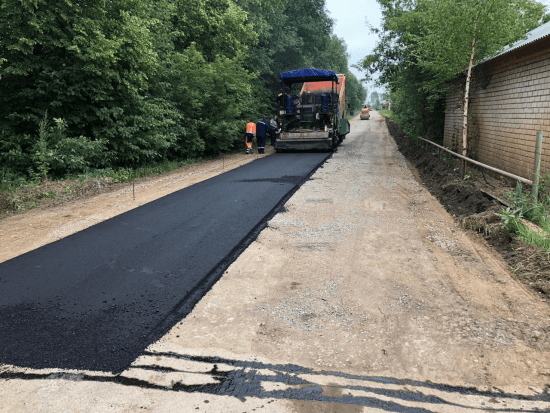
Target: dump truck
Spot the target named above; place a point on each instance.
(314, 118)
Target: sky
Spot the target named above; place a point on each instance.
(351, 25)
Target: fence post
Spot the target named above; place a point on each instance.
(462, 168)
(536, 170)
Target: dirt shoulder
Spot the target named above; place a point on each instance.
(475, 211)
(100, 200)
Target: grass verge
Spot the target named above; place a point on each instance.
(385, 112)
(20, 194)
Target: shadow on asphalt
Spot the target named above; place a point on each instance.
(242, 379)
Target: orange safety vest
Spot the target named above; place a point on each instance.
(250, 127)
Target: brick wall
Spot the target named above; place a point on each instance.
(507, 113)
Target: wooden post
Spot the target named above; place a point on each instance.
(134, 190)
(536, 170)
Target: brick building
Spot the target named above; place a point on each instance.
(510, 102)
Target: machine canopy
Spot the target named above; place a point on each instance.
(307, 75)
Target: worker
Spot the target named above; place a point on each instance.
(261, 130)
(250, 135)
(281, 100)
(274, 129)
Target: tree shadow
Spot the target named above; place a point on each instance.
(242, 379)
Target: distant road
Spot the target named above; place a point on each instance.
(96, 299)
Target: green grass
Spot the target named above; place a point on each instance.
(21, 193)
(385, 112)
(129, 174)
(526, 208)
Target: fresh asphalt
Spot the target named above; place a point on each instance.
(96, 299)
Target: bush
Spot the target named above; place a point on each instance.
(56, 152)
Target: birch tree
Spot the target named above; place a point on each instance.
(424, 44)
(457, 34)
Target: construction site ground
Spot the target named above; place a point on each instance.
(363, 295)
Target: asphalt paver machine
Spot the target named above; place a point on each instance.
(314, 118)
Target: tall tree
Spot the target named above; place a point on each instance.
(208, 72)
(423, 44)
(355, 92)
(105, 83)
(375, 100)
(88, 63)
(457, 34)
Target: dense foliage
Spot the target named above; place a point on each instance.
(423, 45)
(103, 83)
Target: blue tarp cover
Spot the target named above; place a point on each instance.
(307, 75)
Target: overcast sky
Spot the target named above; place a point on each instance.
(351, 25)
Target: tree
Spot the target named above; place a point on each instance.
(458, 34)
(107, 83)
(365, 92)
(206, 69)
(87, 63)
(141, 77)
(375, 100)
(424, 44)
(355, 92)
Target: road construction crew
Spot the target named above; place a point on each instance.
(281, 100)
(250, 135)
(261, 130)
(274, 129)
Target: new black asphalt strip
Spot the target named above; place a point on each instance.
(96, 299)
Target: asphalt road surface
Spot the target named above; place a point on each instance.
(96, 299)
